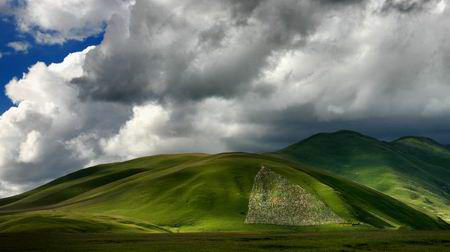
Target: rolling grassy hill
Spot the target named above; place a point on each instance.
(193, 193)
(415, 170)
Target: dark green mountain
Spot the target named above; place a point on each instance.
(415, 170)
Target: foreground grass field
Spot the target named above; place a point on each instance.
(324, 241)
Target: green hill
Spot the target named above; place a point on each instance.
(415, 170)
(196, 193)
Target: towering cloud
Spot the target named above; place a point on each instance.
(222, 75)
(190, 51)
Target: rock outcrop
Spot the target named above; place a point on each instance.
(275, 200)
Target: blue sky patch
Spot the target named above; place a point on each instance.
(15, 64)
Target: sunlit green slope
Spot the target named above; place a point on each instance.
(191, 192)
(415, 170)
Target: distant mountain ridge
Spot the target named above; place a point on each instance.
(415, 170)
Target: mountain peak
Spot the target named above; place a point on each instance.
(418, 140)
(341, 133)
(331, 140)
(346, 132)
(335, 134)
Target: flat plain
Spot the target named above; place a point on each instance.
(399, 240)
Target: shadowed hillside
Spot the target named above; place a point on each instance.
(415, 170)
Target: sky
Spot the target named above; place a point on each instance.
(14, 64)
(88, 82)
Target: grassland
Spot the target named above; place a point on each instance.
(198, 242)
(192, 193)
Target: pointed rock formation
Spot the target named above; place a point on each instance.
(275, 200)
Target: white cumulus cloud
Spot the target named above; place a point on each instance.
(34, 134)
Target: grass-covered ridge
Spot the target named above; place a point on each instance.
(415, 170)
(192, 193)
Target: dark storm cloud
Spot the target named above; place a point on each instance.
(242, 10)
(284, 127)
(407, 6)
(200, 59)
(343, 2)
(177, 60)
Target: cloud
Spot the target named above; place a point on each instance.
(406, 6)
(39, 135)
(54, 22)
(227, 75)
(5, 6)
(19, 46)
(192, 51)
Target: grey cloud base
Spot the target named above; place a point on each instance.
(212, 76)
